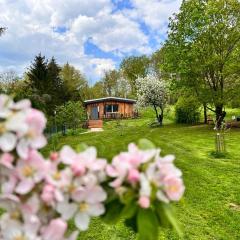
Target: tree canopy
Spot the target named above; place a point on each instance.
(203, 50)
(152, 91)
(134, 67)
(75, 83)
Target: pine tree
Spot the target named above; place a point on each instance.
(38, 83)
(37, 75)
(56, 88)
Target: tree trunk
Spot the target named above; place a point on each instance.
(158, 116)
(220, 115)
(205, 112)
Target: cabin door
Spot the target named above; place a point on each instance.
(94, 113)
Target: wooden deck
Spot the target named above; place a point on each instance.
(95, 123)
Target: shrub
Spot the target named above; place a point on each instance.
(187, 110)
(71, 114)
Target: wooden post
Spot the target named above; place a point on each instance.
(220, 143)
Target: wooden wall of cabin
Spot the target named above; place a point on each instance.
(123, 108)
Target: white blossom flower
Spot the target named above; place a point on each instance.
(87, 202)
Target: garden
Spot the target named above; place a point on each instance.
(126, 123)
(210, 206)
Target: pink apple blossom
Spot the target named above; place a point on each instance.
(83, 162)
(55, 230)
(6, 159)
(174, 188)
(33, 138)
(7, 142)
(133, 176)
(30, 171)
(51, 194)
(144, 202)
(54, 156)
(12, 229)
(87, 202)
(126, 162)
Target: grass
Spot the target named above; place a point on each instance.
(212, 184)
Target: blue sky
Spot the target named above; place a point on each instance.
(92, 35)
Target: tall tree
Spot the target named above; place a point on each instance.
(97, 90)
(37, 78)
(134, 67)
(123, 86)
(75, 83)
(38, 75)
(203, 49)
(56, 89)
(110, 82)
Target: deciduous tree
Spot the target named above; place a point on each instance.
(75, 83)
(203, 49)
(134, 67)
(152, 92)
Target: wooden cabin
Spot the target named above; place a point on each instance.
(110, 108)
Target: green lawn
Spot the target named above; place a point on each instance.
(212, 185)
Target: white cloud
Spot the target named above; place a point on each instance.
(111, 32)
(154, 13)
(32, 26)
(102, 65)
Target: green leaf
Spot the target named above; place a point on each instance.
(163, 220)
(145, 144)
(147, 224)
(113, 212)
(169, 214)
(128, 196)
(129, 210)
(110, 193)
(132, 223)
(81, 147)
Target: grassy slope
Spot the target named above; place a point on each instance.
(211, 184)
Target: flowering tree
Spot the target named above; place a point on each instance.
(40, 195)
(152, 92)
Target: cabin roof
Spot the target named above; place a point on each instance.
(105, 99)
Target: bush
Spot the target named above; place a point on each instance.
(72, 114)
(187, 110)
(235, 103)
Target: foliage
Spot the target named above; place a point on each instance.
(123, 87)
(110, 82)
(70, 114)
(37, 75)
(97, 90)
(202, 50)
(115, 84)
(152, 92)
(134, 67)
(56, 88)
(187, 110)
(53, 86)
(75, 83)
(40, 195)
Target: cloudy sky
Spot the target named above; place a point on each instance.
(93, 35)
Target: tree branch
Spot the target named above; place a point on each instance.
(210, 109)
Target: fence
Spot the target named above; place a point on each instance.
(64, 128)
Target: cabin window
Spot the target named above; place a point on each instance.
(111, 108)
